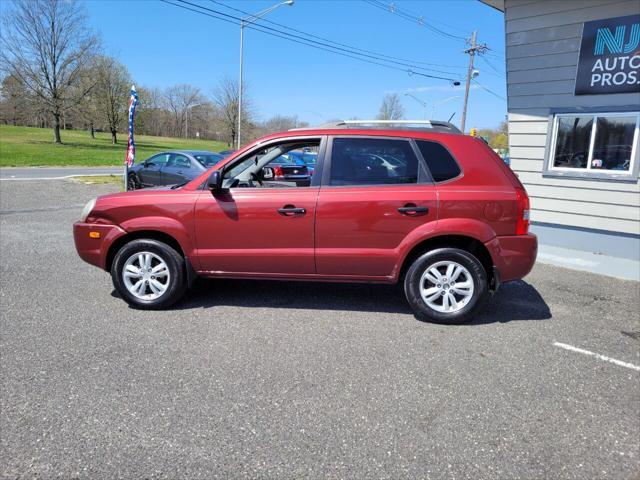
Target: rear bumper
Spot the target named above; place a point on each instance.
(94, 250)
(513, 256)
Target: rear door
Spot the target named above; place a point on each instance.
(375, 191)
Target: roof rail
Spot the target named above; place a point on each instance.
(414, 125)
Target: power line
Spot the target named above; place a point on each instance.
(391, 8)
(484, 59)
(417, 15)
(307, 34)
(375, 57)
(300, 40)
(488, 90)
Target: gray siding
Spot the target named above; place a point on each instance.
(542, 47)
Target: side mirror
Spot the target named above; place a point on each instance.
(215, 181)
(267, 173)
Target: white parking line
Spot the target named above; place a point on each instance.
(597, 355)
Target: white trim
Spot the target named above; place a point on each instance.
(594, 118)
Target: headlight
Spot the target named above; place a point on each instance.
(87, 209)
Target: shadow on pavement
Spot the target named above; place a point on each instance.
(514, 301)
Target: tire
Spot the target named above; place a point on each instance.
(132, 182)
(469, 289)
(164, 285)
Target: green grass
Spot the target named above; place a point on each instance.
(31, 147)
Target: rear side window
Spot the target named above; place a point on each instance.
(439, 160)
(372, 161)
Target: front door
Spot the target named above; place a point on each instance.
(176, 170)
(261, 224)
(374, 193)
(150, 173)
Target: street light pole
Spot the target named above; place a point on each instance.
(421, 102)
(243, 22)
(433, 107)
(186, 118)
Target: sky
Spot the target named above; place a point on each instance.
(162, 45)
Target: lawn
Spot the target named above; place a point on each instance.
(26, 146)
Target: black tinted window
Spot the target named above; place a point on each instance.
(372, 161)
(439, 160)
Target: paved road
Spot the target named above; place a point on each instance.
(47, 173)
(297, 380)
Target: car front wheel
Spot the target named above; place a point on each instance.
(132, 182)
(149, 274)
(446, 285)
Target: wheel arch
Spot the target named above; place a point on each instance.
(135, 235)
(463, 242)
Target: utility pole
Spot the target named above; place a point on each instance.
(472, 52)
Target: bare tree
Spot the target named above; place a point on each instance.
(391, 108)
(179, 99)
(225, 98)
(48, 46)
(110, 93)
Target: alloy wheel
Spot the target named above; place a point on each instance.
(146, 275)
(446, 286)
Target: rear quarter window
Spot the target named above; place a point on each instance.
(440, 162)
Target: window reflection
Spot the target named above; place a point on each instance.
(614, 142)
(572, 142)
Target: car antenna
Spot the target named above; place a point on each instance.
(452, 115)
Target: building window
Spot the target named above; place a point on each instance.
(602, 145)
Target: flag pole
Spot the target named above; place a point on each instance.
(131, 145)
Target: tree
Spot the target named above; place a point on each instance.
(225, 98)
(391, 108)
(14, 101)
(179, 99)
(47, 45)
(497, 138)
(110, 93)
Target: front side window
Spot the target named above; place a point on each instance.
(275, 166)
(595, 143)
(158, 160)
(372, 161)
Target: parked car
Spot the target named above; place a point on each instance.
(450, 222)
(171, 168)
(289, 167)
(226, 153)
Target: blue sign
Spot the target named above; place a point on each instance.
(609, 56)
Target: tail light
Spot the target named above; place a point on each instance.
(277, 172)
(522, 212)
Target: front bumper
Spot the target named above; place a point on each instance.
(513, 256)
(94, 250)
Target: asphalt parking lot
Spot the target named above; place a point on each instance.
(294, 380)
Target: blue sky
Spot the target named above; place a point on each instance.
(163, 45)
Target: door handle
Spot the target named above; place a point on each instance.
(290, 211)
(413, 210)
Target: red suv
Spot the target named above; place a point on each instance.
(429, 207)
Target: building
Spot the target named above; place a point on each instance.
(573, 87)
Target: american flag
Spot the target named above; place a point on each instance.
(131, 146)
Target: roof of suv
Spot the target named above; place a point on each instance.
(424, 126)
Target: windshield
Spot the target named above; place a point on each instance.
(208, 159)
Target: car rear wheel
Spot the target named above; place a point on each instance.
(446, 285)
(149, 274)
